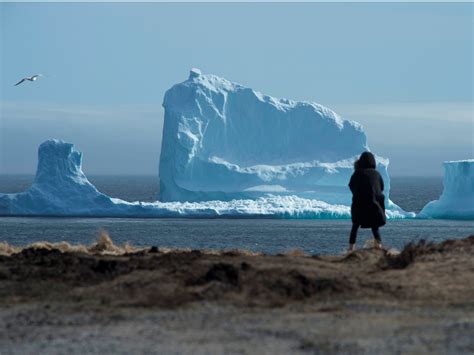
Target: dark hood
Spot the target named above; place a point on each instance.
(367, 161)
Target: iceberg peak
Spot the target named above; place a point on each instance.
(194, 73)
(58, 160)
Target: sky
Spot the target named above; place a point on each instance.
(403, 70)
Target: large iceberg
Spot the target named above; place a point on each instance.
(457, 199)
(224, 141)
(60, 188)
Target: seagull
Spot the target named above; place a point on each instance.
(30, 78)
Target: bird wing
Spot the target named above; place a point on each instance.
(18, 83)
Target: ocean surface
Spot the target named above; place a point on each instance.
(264, 235)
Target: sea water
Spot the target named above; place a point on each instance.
(263, 235)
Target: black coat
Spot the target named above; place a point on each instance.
(368, 206)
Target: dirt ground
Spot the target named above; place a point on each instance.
(56, 300)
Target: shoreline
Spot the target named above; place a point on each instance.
(108, 299)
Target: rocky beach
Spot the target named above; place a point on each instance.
(103, 298)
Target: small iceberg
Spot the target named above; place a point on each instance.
(457, 199)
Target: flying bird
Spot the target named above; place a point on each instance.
(30, 78)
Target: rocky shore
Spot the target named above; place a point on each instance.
(108, 299)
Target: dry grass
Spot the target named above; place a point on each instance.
(6, 249)
(103, 246)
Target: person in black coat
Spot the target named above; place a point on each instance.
(368, 206)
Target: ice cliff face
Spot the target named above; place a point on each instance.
(457, 199)
(60, 188)
(223, 141)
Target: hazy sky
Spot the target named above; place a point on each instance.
(402, 70)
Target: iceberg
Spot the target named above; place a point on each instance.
(223, 141)
(60, 188)
(227, 151)
(457, 199)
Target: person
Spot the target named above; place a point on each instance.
(368, 206)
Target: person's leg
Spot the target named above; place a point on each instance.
(377, 237)
(353, 236)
